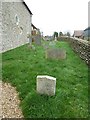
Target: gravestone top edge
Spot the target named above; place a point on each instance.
(46, 76)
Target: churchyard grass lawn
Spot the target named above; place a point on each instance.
(21, 67)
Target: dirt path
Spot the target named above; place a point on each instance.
(9, 102)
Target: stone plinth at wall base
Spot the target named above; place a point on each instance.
(46, 85)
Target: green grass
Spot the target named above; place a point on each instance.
(21, 67)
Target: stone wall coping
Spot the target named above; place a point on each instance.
(78, 39)
(81, 40)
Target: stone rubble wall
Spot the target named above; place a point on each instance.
(16, 24)
(81, 47)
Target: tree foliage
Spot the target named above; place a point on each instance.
(60, 33)
(55, 34)
(68, 34)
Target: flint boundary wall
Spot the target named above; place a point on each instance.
(81, 47)
(15, 25)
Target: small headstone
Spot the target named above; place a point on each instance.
(37, 40)
(55, 53)
(46, 85)
(52, 43)
(45, 46)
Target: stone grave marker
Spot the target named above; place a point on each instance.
(45, 46)
(55, 53)
(38, 40)
(52, 43)
(46, 85)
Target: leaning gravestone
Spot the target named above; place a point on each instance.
(37, 40)
(55, 53)
(46, 85)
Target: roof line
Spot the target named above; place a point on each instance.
(34, 26)
(87, 29)
(27, 8)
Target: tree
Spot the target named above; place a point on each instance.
(55, 34)
(60, 34)
(68, 34)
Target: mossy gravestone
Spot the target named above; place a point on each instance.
(55, 53)
(46, 85)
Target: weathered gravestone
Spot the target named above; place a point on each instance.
(37, 39)
(52, 43)
(46, 85)
(55, 53)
